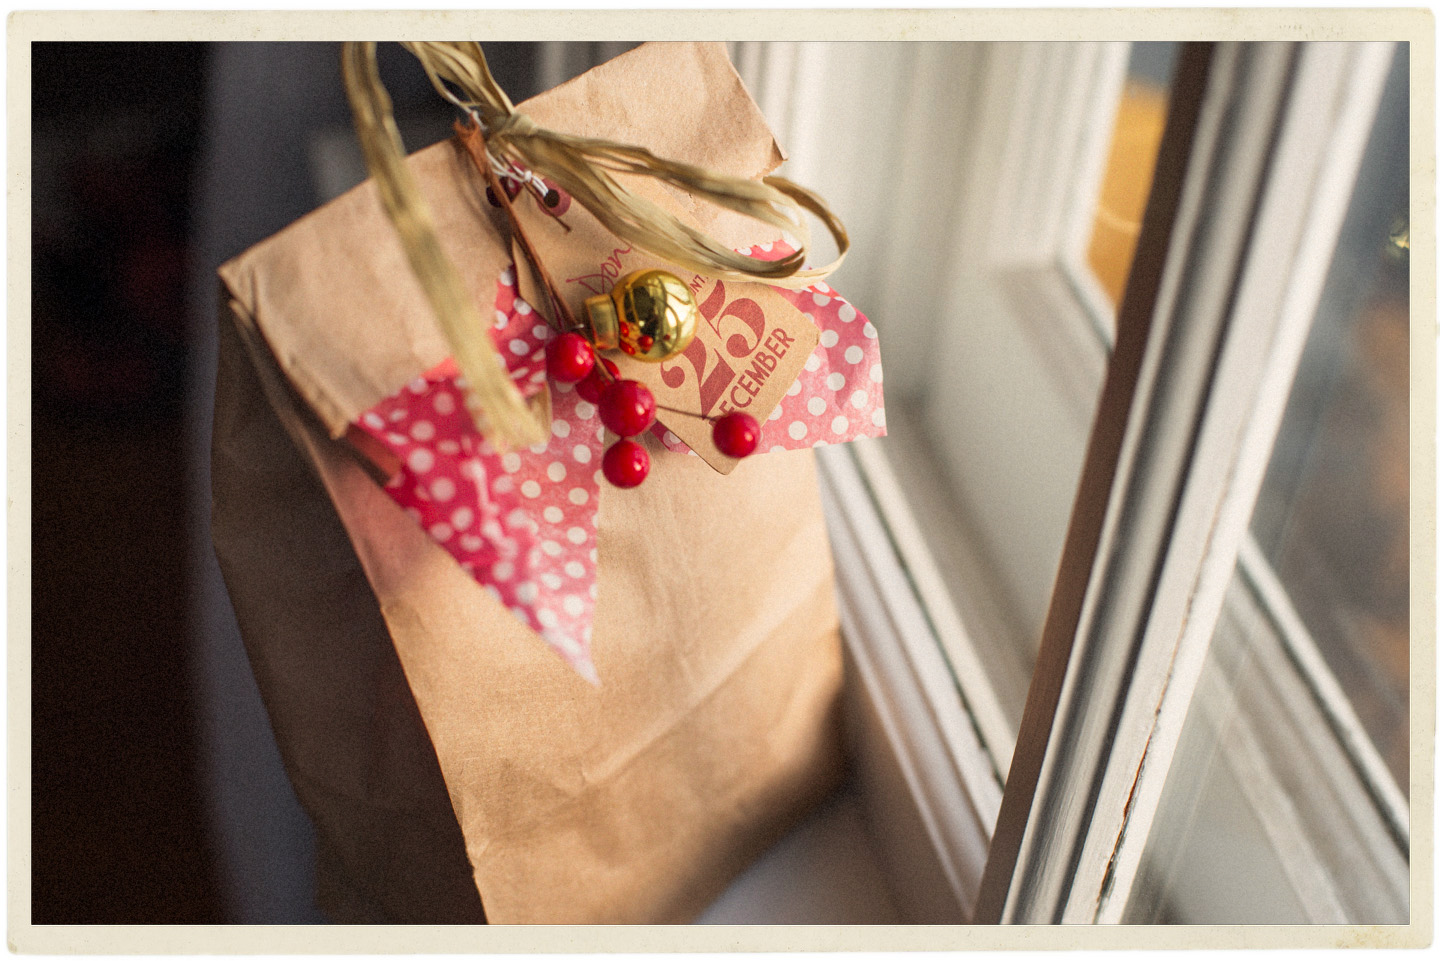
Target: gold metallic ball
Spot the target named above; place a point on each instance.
(649, 314)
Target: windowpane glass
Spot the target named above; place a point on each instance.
(1333, 516)
(1130, 165)
(1274, 783)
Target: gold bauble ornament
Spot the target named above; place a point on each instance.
(649, 314)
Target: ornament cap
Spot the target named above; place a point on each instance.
(604, 321)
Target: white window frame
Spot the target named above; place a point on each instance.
(1279, 137)
(1057, 112)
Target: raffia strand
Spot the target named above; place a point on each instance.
(492, 397)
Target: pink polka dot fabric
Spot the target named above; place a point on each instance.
(838, 396)
(523, 524)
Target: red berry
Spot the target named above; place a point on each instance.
(625, 464)
(627, 407)
(736, 434)
(569, 358)
(512, 190)
(594, 384)
(554, 200)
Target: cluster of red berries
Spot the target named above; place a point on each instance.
(627, 408)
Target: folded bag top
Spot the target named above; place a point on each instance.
(715, 628)
(345, 347)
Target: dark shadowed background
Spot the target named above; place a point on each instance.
(158, 794)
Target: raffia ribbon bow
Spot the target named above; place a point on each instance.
(582, 166)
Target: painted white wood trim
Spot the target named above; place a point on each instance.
(1329, 695)
(995, 729)
(1164, 476)
(1019, 350)
(1257, 226)
(1261, 757)
(927, 735)
(1008, 419)
(1242, 748)
(1336, 91)
(1056, 115)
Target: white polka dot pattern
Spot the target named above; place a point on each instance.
(847, 357)
(526, 519)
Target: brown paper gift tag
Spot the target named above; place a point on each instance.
(715, 631)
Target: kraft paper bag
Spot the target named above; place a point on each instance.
(447, 756)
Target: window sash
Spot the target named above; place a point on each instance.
(927, 778)
(1279, 131)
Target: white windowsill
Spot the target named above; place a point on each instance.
(825, 871)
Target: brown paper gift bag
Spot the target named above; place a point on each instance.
(440, 747)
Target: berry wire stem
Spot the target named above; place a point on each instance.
(687, 413)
